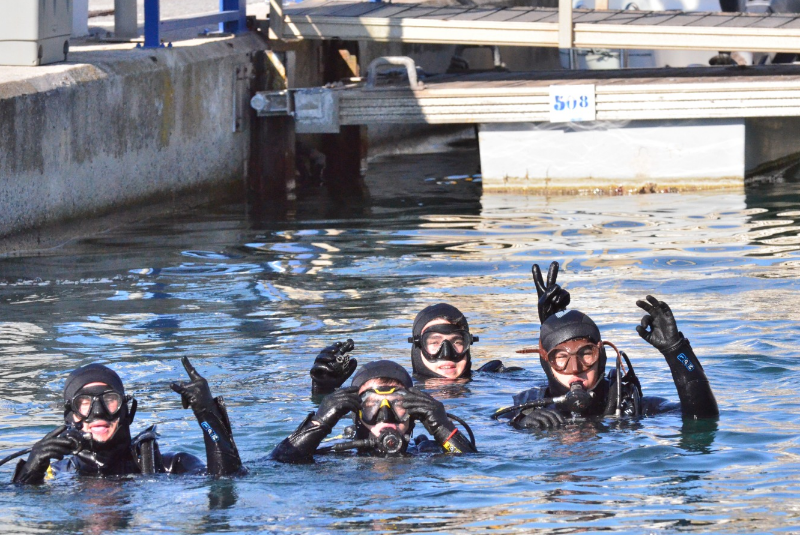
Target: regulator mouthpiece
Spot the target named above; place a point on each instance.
(390, 441)
(577, 399)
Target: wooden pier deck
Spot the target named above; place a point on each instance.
(527, 26)
(641, 94)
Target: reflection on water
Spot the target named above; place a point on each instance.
(252, 298)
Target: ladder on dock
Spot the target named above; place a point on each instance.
(562, 27)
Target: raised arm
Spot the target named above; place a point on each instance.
(658, 328)
(299, 447)
(222, 457)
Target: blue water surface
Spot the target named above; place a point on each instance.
(251, 295)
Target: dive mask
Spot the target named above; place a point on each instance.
(383, 405)
(444, 342)
(97, 403)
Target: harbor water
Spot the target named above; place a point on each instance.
(252, 296)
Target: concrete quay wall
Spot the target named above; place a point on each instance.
(118, 126)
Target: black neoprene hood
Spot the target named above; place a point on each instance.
(568, 325)
(450, 314)
(382, 369)
(92, 373)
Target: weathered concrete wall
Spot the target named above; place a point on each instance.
(121, 126)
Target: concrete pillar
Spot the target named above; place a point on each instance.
(125, 19)
(80, 18)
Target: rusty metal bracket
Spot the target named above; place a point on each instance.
(408, 63)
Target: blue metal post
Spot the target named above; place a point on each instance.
(239, 25)
(152, 24)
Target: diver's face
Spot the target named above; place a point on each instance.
(382, 385)
(574, 361)
(445, 368)
(101, 430)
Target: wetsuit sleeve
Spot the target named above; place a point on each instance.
(453, 440)
(694, 390)
(299, 447)
(222, 455)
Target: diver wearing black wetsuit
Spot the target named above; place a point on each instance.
(440, 342)
(386, 406)
(573, 357)
(97, 438)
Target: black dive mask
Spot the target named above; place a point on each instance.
(99, 402)
(383, 406)
(444, 342)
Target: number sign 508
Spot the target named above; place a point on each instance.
(570, 103)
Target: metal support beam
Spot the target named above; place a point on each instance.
(152, 24)
(238, 25)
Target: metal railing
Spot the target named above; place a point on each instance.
(231, 19)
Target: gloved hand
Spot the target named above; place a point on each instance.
(333, 367)
(196, 393)
(52, 446)
(335, 405)
(541, 419)
(429, 411)
(663, 333)
(552, 297)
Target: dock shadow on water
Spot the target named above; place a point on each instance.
(252, 299)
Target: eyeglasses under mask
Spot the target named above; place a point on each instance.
(444, 342)
(580, 360)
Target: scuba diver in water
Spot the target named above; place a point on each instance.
(96, 439)
(573, 356)
(440, 341)
(385, 407)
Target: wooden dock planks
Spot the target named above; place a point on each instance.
(490, 99)
(521, 26)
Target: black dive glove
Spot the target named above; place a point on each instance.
(332, 367)
(539, 419)
(663, 333)
(221, 452)
(552, 297)
(334, 406)
(52, 446)
(432, 414)
(694, 391)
